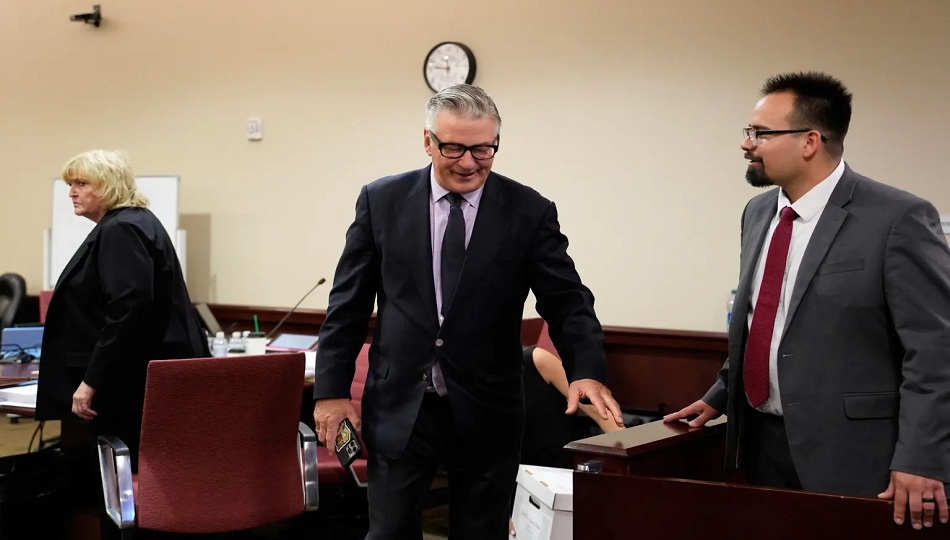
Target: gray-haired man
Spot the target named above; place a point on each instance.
(449, 253)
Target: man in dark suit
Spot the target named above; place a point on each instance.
(449, 253)
(838, 376)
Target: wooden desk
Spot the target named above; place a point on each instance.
(25, 412)
(17, 373)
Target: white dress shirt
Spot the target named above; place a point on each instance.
(809, 209)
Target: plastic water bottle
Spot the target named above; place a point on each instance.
(219, 347)
(729, 306)
(236, 344)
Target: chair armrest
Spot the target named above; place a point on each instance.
(356, 477)
(307, 452)
(115, 470)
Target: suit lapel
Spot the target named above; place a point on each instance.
(755, 225)
(759, 221)
(413, 218)
(830, 222)
(491, 226)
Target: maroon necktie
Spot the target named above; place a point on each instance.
(756, 362)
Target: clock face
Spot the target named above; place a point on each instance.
(449, 63)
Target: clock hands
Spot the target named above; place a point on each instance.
(446, 67)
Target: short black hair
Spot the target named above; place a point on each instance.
(821, 102)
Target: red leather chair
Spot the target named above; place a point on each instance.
(331, 472)
(544, 341)
(222, 448)
(45, 297)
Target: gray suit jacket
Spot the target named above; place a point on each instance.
(864, 360)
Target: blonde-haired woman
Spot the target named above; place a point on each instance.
(119, 303)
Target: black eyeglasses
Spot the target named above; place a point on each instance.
(753, 134)
(456, 151)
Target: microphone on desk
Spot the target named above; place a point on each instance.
(274, 329)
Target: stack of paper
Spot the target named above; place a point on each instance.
(19, 396)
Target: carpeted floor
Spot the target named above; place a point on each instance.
(15, 437)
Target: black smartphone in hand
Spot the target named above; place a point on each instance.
(348, 445)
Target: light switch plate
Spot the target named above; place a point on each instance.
(945, 223)
(255, 129)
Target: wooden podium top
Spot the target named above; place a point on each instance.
(645, 439)
(659, 449)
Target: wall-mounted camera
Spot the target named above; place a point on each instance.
(94, 17)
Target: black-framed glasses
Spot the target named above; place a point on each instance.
(456, 151)
(753, 134)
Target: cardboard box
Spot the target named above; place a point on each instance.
(544, 504)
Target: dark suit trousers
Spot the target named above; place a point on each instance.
(478, 490)
(769, 458)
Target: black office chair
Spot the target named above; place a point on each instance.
(12, 292)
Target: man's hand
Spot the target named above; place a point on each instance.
(327, 415)
(703, 411)
(923, 495)
(599, 396)
(82, 402)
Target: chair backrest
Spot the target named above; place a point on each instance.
(12, 291)
(45, 298)
(218, 450)
(331, 472)
(530, 328)
(544, 341)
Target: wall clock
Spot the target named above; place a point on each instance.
(448, 63)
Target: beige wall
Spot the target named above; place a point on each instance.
(625, 112)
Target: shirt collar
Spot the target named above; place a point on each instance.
(436, 191)
(811, 204)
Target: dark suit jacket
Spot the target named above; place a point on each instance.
(516, 245)
(120, 302)
(864, 361)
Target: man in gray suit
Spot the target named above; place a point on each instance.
(838, 376)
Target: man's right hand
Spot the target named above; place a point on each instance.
(700, 409)
(327, 415)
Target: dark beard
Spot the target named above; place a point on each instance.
(756, 177)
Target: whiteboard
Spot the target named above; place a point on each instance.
(68, 231)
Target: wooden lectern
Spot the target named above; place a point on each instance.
(668, 481)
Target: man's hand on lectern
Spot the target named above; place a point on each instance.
(702, 411)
